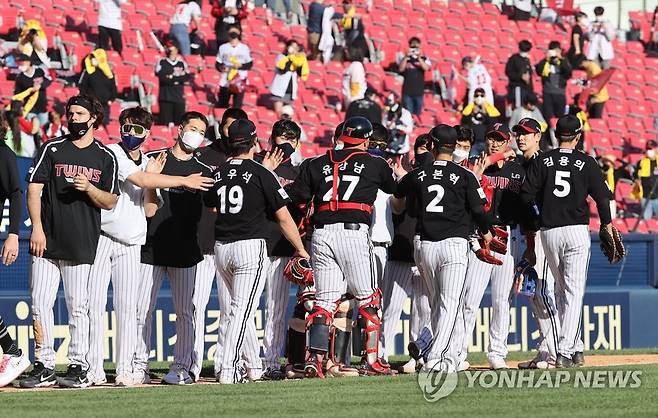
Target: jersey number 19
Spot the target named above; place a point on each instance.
(231, 201)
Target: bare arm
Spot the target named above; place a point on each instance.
(289, 230)
(161, 181)
(38, 237)
(100, 198)
(151, 202)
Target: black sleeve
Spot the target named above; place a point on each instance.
(11, 187)
(20, 85)
(110, 177)
(247, 65)
(388, 183)
(162, 75)
(405, 186)
(113, 89)
(565, 68)
(300, 191)
(41, 169)
(599, 191)
(512, 70)
(540, 67)
(275, 196)
(474, 196)
(534, 179)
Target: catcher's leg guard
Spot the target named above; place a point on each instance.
(339, 341)
(369, 327)
(296, 343)
(317, 340)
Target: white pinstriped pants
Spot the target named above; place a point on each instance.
(243, 266)
(205, 277)
(444, 269)
(121, 263)
(567, 250)
(478, 276)
(181, 280)
(44, 282)
(341, 258)
(276, 324)
(381, 257)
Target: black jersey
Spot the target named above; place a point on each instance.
(171, 239)
(245, 193)
(357, 176)
(10, 187)
(172, 76)
(277, 244)
(506, 207)
(402, 247)
(213, 156)
(71, 222)
(38, 79)
(447, 197)
(559, 182)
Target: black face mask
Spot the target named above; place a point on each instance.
(233, 35)
(78, 129)
(287, 149)
(423, 159)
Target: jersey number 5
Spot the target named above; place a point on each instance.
(562, 186)
(434, 206)
(352, 180)
(235, 197)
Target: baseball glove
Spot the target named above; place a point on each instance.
(612, 245)
(485, 255)
(499, 241)
(299, 271)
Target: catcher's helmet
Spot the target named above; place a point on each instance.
(525, 278)
(356, 130)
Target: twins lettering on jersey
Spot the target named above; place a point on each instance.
(504, 183)
(69, 171)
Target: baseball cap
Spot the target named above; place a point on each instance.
(554, 45)
(567, 126)
(242, 130)
(467, 59)
(22, 58)
(498, 129)
(444, 135)
(527, 126)
(651, 144)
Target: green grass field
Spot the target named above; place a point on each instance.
(364, 396)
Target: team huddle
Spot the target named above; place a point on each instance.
(355, 229)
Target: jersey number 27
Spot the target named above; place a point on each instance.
(562, 186)
(352, 180)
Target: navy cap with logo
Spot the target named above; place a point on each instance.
(568, 126)
(499, 130)
(444, 135)
(242, 130)
(527, 126)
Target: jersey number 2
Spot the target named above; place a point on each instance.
(562, 186)
(434, 206)
(234, 196)
(352, 180)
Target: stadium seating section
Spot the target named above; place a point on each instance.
(448, 33)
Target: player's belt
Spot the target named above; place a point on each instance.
(381, 244)
(334, 206)
(347, 225)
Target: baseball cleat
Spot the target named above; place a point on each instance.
(408, 367)
(75, 378)
(96, 381)
(11, 367)
(39, 377)
(379, 367)
(578, 359)
(414, 350)
(545, 364)
(273, 373)
(295, 371)
(563, 362)
(498, 364)
(142, 378)
(463, 366)
(124, 380)
(340, 370)
(177, 376)
(532, 364)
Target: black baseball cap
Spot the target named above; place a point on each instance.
(498, 129)
(527, 126)
(567, 126)
(242, 130)
(444, 135)
(22, 58)
(651, 144)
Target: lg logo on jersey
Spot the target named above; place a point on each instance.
(71, 170)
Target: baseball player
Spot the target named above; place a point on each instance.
(528, 135)
(172, 247)
(448, 198)
(71, 180)
(559, 182)
(505, 179)
(343, 185)
(244, 193)
(123, 232)
(13, 361)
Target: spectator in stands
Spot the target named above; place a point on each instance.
(354, 78)
(314, 25)
(96, 79)
(234, 62)
(601, 35)
(291, 65)
(646, 178)
(522, 9)
(110, 24)
(413, 67)
(477, 116)
(172, 73)
(519, 73)
(652, 43)
(227, 13)
(554, 71)
(529, 109)
(23, 134)
(33, 43)
(326, 41)
(366, 107)
(614, 170)
(400, 124)
(30, 88)
(477, 77)
(354, 32)
(596, 101)
(55, 126)
(187, 13)
(578, 37)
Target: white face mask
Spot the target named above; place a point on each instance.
(524, 54)
(192, 140)
(552, 53)
(339, 146)
(23, 68)
(459, 155)
(479, 100)
(651, 153)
